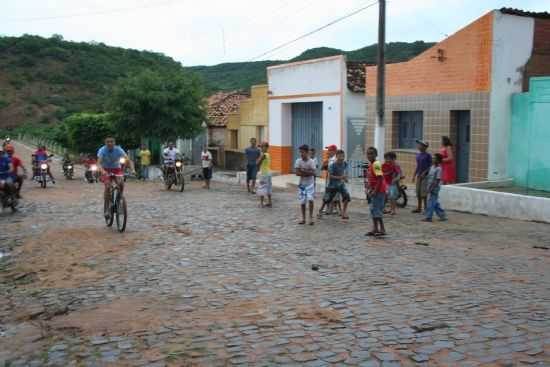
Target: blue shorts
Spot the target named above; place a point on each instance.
(393, 192)
(251, 171)
(377, 204)
(331, 193)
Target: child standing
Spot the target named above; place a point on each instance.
(264, 182)
(337, 179)
(376, 193)
(305, 169)
(434, 185)
(423, 164)
(206, 159)
(392, 175)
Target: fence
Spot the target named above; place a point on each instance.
(52, 146)
(355, 168)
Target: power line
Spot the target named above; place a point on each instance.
(83, 14)
(357, 11)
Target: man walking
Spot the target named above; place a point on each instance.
(252, 154)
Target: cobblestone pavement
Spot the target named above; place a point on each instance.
(209, 278)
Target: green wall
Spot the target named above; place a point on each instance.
(529, 149)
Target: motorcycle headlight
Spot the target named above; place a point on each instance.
(122, 160)
(178, 164)
(69, 167)
(44, 166)
(93, 167)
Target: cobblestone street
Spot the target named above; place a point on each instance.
(209, 278)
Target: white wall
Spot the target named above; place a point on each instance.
(323, 76)
(512, 47)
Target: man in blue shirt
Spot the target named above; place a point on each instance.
(252, 154)
(110, 159)
(6, 172)
(423, 164)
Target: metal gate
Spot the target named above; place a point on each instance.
(307, 127)
(355, 142)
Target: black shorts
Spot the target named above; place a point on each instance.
(207, 173)
(251, 172)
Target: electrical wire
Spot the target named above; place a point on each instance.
(357, 11)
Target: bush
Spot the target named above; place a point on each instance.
(85, 131)
(4, 103)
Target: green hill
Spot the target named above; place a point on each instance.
(43, 80)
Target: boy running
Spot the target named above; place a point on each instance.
(305, 169)
(434, 185)
(264, 182)
(337, 179)
(376, 193)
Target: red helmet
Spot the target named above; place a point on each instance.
(9, 148)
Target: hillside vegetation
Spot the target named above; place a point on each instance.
(44, 80)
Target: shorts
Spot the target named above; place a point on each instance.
(306, 193)
(393, 192)
(251, 172)
(421, 187)
(377, 204)
(334, 193)
(264, 185)
(207, 173)
(118, 172)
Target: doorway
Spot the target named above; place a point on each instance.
(307, 127)
(462, 149)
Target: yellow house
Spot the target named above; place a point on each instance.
(251, 121)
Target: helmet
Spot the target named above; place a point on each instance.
(9, 148)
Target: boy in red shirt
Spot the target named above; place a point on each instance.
(16, 162)
(392, 174)
(376, 193)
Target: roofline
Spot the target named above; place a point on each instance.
(311, 61)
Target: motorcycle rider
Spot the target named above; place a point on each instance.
(6, 173)
(170, 154)
(109, 157)
(88, 163)
(16, 162)
(41, 156)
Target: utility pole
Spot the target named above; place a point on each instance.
(381, 76)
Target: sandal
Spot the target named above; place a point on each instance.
(379, 234)
(302, 222)
(345, 217)
(370, 234)
(416, 211)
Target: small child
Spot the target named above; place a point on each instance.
(376, 193)
(264, 181)
(392, 175)
(337, 179)
(434, 185)
(305, 169)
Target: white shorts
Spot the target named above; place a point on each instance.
(264, 185)
(306, 193)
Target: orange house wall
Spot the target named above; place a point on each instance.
(281, 159)
(467, 67)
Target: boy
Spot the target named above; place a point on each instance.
(264, 184)
(206, 159)
(331, 149)
(376, 193)
(434, 185)
(305, 169)
(392, 175)
(336, 183)
(252, 154)
(423, 164)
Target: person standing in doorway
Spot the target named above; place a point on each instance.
(144, 155)
(423, 164)
(264, 182)
(206, 160)
(252, 154)
(448, 165)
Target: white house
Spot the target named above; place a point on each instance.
(316, 102)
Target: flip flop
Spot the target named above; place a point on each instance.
(370, 234)
(311, 223)
(345, 217)
(379, 234)
(302, 222)
(416, 211)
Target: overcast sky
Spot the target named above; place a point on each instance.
(210, 32)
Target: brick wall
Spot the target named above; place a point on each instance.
(466, 67)
(539, 63)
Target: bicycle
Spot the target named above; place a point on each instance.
(116, 206)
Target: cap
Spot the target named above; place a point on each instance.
(332, 147)
(422, 142)
(9, 148)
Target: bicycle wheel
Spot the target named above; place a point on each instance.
(110, 208)
(121, 213)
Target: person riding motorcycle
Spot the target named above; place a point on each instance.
(6, 173)
(42, 156)
(88, 163)
(16, 162)
(170, 155)
(109, 160)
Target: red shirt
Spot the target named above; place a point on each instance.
(390, 171)
(374, 172)
(89, 162)
(16, 163)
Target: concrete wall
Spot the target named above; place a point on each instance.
(512, 47)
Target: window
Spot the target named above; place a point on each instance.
(410, 129)
(260, 133)
(234, 139)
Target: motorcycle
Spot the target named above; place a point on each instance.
(41, 175)
(173, 174)
(9, 200)
(92, 173)
(68, 169)
(402, 198)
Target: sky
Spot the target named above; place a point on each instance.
(208, 32)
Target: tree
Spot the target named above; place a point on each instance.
(164, 106)
(85, 132)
